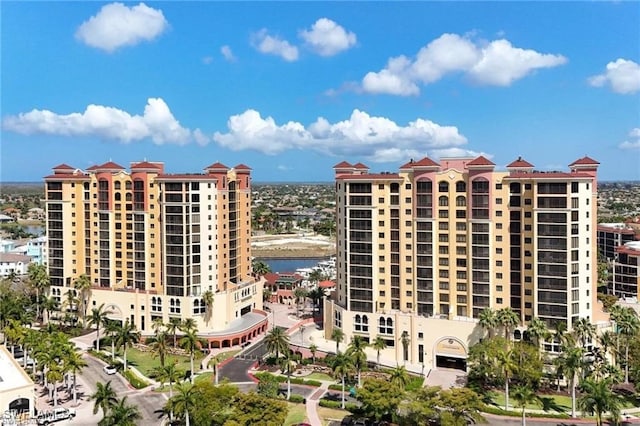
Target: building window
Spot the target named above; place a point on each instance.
(361, 323)
(385, 326)
(337, 319)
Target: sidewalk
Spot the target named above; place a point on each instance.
(312, 404)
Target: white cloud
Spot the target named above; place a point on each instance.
(117, 25)
(157, 123)
(274, 45)
(227, 53)
(633, 142)
(502, 64)
(497, 63)
(379, 139)
(207, 60)
(623, 76)
(327, 38)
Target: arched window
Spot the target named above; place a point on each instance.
(443, 201)
(443, 186)
(365, 319)
(461, 186)
(118, 196)
(389, 322)
(461, 201)
(127, 185)
(117, 185)
(128, 196)
(360, 323)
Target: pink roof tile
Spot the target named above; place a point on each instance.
(242, 167)
(584, 161)
(94, 167)
(342, 165)
(480, 161)
(425, 162)
(111, 165)
(63, 167)
(360, 166)
(217, 166)
(145, 165)
(520, 164)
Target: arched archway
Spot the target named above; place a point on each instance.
(21, 405)
(450, 352)
(114, 312)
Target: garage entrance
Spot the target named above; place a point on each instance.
(450, 362)
(450, 353)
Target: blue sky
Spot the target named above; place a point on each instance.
(293, 88)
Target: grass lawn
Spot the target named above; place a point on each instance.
(557, 403)
(297, 414)
(328, 414)
(226, 355)
(319, 376)
(204, 377)
(145, 361)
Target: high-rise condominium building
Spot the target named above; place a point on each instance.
(153, 244)
(422, 251)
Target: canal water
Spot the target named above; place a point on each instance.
(290, 265)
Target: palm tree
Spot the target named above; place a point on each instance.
(404, 339)
(508, 319)
(74, 363)
(39, 279)
(83, 285)
(104, 398)
(337, 335)
(54, 375)
(13, 333)
(584, 330)
(98, 318)
(355, 350)
(127, 336)
(399, 377)
(169, 373)
(379, 344)
(597, 397)
(121, 414)
(341, 367)
(287, 365)
(184, 401)
(172, 327)
(158, 345)
(191, 343)
(188, 324)
(259, 268)
(49, 304)
(277, 341)
(488, 320)
(208, 299)
(112, 328)
(71, 303)
(157, 325)
(523, 396)
(537, 330)
(300, 295)
(313, 348)
(508, 365)
(627, 324)
(213, 363)
(608, 341)
(572, 360)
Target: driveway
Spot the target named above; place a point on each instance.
(236, 370)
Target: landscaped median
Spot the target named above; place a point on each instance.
(283, 379)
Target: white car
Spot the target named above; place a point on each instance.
(55, 415)
(110, 369)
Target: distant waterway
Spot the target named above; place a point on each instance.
(290, 265)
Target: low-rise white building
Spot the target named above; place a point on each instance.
(17, 391)
(11, 263)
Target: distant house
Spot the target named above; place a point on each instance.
(35, 248)
(282, 286)
(11, 263)
(35, 213)
(6, 218)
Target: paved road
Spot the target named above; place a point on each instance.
(236, 370)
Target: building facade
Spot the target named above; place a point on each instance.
(625, 277)
(153, 243)
(13, 264)
(421, 252)
(611, 236)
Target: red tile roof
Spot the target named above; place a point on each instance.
(67, 176)
(520, 164)
(242, 167)
(326, 284)
(63, 167)
(94, 167)
(584, 161)
(342, 165)
(360, 166)
(145, 165)
(370, 176)
(425, 162)
(549, 175)
(217, 166)
(480, 161)
(186, 177)
(111, 165)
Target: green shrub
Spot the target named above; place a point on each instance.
(297, 399)
(134, 380)
(490, 409)
(349, 406)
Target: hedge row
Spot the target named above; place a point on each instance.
(490, 409)
(349, 406)
(135, 381)
(283, 379)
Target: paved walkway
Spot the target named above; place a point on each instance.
(312, 404)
